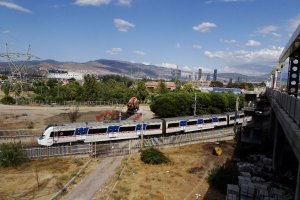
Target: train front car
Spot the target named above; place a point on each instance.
(61, 134)
(44, 140)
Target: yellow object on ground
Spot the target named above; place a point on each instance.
(218, 151)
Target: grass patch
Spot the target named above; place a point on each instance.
(220, 176)
(153, 156)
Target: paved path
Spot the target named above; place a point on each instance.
(86, 189)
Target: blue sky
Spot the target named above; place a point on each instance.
(245, 36)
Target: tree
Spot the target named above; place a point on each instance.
(5, 87)
(188, 87)
(3, 77)
(11, 154)
(52, 83)
(90, 88)
(162, 88)
(141, 91)
(17, 89)
(172, 104)
(219, 101)
(216, 84)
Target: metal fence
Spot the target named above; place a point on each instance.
(129, 146)
(289, 103)
(76, 103)
(20, 135)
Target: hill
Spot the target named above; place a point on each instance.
(124, 68)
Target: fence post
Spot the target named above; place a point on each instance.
(129, 145)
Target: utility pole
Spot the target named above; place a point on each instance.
(142, 132)
(195, 104)
(236, 112)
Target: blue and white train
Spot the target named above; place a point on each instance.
(99, 131)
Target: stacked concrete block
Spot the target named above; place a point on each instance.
(252, 182)
(233, 192)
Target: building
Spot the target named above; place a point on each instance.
(208, 77)
(176, 74)
(154, 85)
(215, 75)
(230, 80)
(61, 74)
(199, 74)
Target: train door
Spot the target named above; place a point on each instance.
(200, 123)
(112, 131)
(215, 121)
(140, 129)
(81, 133)
(183, 124)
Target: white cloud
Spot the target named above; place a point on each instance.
(114, 51)
(186, 68)
(138, 52)
(262, 56)
(241, 70)
(178, 45)
(91, 2)
(204, 27)
(276, 35)
(252, 43)
(267, 29)
(146, 63)
(123, 25)
(168, 65)
(14, 6)
(293, 24)
(197, 46)
(228, 41)
(124, 2)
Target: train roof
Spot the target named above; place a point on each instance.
(193, 117)
(93, 124)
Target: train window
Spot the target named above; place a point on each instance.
(192, 122)
(96, 131)
(222, 119)
(232, 118)
(207, 121)
(171, 125)
(62, 133)
(127, 128)
(153, 126)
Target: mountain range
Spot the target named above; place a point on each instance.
(123, 68)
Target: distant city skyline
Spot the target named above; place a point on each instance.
(244, 36)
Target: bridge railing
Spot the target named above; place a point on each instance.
(289, 103)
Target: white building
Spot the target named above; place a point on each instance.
(65, 75)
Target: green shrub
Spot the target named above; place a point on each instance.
(153, 156)
(8, 100)
(11, 154)
(220, 176)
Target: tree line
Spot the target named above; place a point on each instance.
(164, 103)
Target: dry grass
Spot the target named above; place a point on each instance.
(39, 179)
(23, 117)
(182, 179)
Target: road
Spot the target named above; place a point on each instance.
(86, 189)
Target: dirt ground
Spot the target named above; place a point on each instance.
(170, 181)
(51, 174)
(38, 117)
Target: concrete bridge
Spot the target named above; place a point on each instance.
(285, 115)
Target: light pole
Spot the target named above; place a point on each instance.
(142, 132)
(195, 104)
